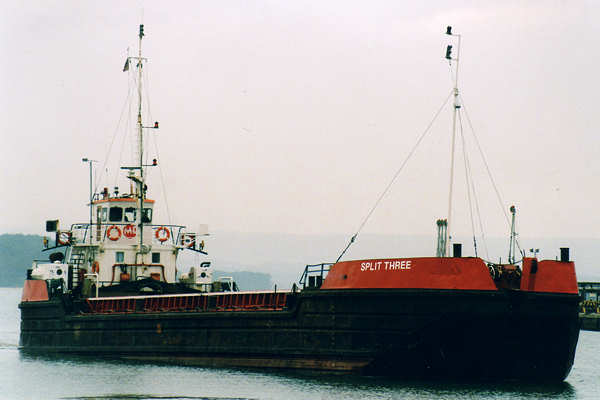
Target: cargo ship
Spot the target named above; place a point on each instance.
(110, 288)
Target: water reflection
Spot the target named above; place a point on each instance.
(279, 384)
(437, 389)
(150, 397)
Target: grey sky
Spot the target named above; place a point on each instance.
(292, 117)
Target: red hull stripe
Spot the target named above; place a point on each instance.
(340, 365)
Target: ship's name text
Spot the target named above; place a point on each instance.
(385, 265)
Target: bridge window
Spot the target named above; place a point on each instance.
(119, 256)
(155, 258)
(103, 214)
(147, 215)
(130, 213)
(115, 214)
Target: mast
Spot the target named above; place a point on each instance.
(140, 180)
(142, 183)
(448, 235)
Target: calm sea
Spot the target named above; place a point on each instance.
(28, 377)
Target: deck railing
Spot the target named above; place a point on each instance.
(80, 232)
(314, 274)
(197, 302)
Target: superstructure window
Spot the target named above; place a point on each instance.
(103, 214)
(147, 215)
(155, 258)
(130, 214)
(119, 257)
(115, 214)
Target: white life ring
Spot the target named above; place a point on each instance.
(110, 235)
(162, 237)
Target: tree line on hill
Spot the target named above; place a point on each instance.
(17, 252)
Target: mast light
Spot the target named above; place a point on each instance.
(448, 30)
(449, 52)
(155, 126)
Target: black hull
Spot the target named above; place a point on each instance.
(406, 333)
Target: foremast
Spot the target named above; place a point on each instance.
(142, 184)
(140, 180)
(456, 106)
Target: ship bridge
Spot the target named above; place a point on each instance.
(121, 243)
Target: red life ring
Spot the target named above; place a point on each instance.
(95, 267)
(162, 237)
(64, 238)
(129, 231)
(110, 235)
(189, 240)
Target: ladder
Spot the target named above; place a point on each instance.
(75, 260)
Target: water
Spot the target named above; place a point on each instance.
(30, 377)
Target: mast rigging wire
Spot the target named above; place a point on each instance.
(160, 170)
(487, 253)
(479, 219)
(114, 136)
(386, 190)
(471, 188)
(501, 202)
(468, 179)
(132, 85)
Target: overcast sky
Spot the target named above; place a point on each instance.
(281, 116)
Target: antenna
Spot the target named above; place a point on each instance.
(90, 161)
(448, 234)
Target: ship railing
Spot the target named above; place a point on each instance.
(314, 274)
(589, 307)
(35, 262)
(126, 232)
(195, 302)
(95, 277)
